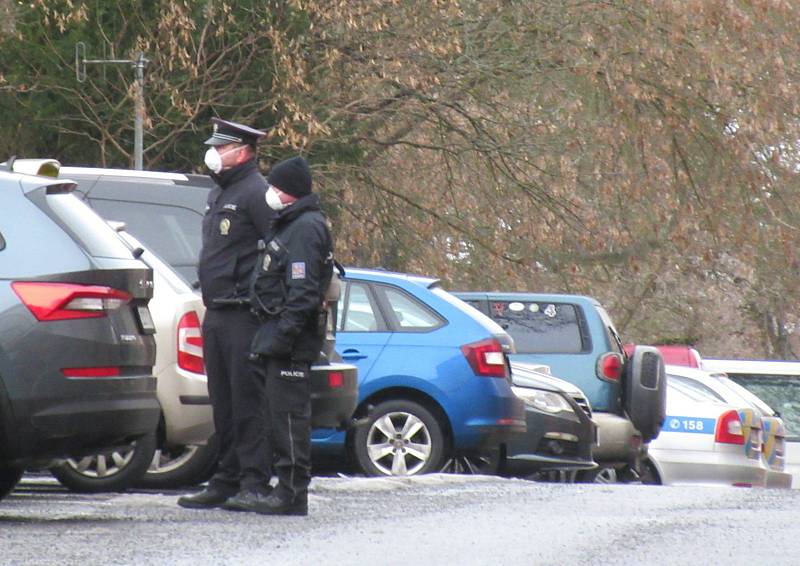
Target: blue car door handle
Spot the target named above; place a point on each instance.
(353, 354)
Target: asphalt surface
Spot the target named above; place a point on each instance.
(436, 519)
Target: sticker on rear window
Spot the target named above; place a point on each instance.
(550, 311)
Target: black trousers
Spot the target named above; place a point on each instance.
(236, 390)
(289, 414)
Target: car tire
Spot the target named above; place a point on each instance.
(111, 470)
(601, 474)
(400, 437)
(181, 466)
(645, 391)
(9, 478)
(649, 475)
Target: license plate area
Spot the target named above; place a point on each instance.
(145, 319)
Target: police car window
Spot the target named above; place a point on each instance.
(702, 392)
(539, 328)
(358, 313)
(174, 233)
(2, 242)
(780, 392)
(408, 312)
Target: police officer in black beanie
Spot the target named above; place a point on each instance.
(237, 216)
(288, 288)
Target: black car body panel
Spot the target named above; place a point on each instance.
(553, 441)
(75, 354)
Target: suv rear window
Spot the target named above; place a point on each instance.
(539, 328)
(97, 237)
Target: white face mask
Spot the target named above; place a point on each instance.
(274, 200)
(213, 160)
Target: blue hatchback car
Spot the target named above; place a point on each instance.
(433, 376)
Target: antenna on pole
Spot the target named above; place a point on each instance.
(138, 65)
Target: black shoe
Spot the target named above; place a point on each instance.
(277, 505)
(247, 499)
(209, 498)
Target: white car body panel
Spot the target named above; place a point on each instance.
(736, 395)
(768, 368)
(186, 422)
(686, 452)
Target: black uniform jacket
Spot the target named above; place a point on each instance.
(296, 265)
(236, 219)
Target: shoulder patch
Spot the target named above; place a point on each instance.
(299, 270)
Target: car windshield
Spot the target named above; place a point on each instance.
(99, 239)
(780, 392)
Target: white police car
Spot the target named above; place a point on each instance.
(704, 441)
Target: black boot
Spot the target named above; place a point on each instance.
(210, 497)
(247, 499)
(277, 504)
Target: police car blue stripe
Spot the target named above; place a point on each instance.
(689, 424)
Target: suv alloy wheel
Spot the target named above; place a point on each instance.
(112, 470)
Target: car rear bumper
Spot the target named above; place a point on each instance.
(552, 442)
(494, 420)
(618, 441)
(117, 413)
(188, 416)
(697, 467)
(779, 480)
(334, 394)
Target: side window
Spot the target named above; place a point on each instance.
(173, 232)
(702, 392)
(356, 311)
(539, 328)
(2, 242)
(408, 313)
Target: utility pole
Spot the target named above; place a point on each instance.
(138, 110)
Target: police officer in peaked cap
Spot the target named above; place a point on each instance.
(236, 218)
(289, 288)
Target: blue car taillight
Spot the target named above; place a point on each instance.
(486, 358)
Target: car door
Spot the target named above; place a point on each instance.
(361, 332)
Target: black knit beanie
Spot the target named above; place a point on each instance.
(292, 176)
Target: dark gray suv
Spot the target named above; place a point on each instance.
(76, 350)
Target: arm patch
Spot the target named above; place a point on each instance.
(299, 270)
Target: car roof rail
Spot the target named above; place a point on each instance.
(101, 171)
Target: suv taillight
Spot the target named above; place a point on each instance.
(729, 428)
(190, 343)
(65, 301)
(609, 367)
(486, 358)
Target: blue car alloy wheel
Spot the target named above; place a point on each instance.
(401, 438)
